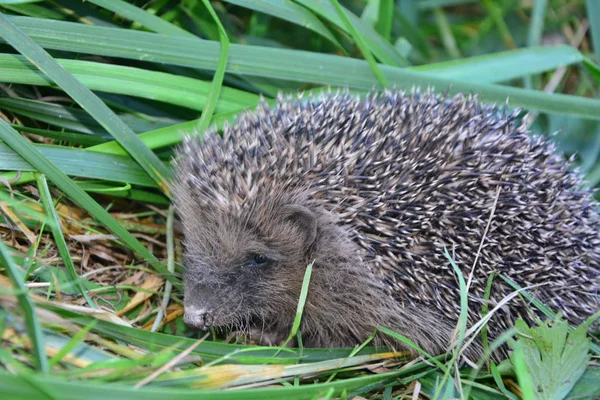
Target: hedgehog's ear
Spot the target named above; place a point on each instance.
(304, 219)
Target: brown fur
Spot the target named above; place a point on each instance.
(371, 191)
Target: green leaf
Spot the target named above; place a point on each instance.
(540, 306)
(32, 10)
(426, 4)
(594, 16)
(163, 137)
(229, 375)
(592, 68)
(446, 33)
(301, 303)
(90, 102)
(217, 82)
(59, 238)
(3, 2)
(588, 386)
(69, 137)
(536, 28)
(289, 11)
(555, 360)
(385, 19)
(208, 350)
(499, 67)
(37, 386)
(31, 319)
(74, 119)
(383, 50)
(26, 150)
(360, 42)
(80, 163)
(280, 64)
(380, 14)
(178, 90)
(141, 16)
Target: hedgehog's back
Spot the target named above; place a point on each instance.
(421, 173)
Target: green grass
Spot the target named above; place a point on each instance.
(95, 94)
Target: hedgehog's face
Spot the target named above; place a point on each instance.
(246, 268)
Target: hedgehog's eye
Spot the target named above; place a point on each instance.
(259, 260)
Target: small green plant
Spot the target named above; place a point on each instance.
(549, 361)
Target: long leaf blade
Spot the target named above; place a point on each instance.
(90, 102)
(26, 150)
(292, 65)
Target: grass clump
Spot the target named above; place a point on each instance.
(95, 94)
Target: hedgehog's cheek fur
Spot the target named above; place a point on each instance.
(356, 308)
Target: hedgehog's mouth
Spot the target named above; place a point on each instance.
(202, 319)
(197, 318)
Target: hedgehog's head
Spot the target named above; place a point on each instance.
(245, 261)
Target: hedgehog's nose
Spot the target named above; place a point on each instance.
(196, 317)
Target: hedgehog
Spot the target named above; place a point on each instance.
(380, 194)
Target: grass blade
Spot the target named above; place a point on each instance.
(384, 51)
(446, 33)
(33, 325)
(217, 82)
(90, 102)
(593, 12)
(26, 150)
(80, 163)
(178, 90)
(27, 387)
(142, 17)
(289, 11)
(74, 119)
(385, 19)
(282, 64)
(301, 303)
(499, 67)
(59, 238)
(360, 43)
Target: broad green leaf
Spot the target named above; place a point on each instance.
(588, 386)
(555, 359)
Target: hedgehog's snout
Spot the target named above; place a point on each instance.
(198, 318)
